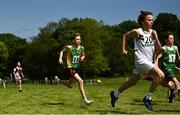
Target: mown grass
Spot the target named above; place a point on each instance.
(54, 99)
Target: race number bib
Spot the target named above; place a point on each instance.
(148, 41)
(172, 57)
(75, 59)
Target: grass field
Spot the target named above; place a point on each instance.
(54, 99)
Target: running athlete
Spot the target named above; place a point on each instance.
(18, 74)
(169, 56)
(74, 54)
(145, 43)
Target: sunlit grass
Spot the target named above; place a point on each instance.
(54, 99)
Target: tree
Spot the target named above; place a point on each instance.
(16, 49)
(117, 62)
(167, 22)
(3, 59)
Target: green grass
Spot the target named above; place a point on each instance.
(53, 99)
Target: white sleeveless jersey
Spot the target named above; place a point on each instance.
(144, 46)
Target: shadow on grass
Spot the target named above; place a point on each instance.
(165, 110)
(52, 103)
(140, 102)
(109, 111)
(136, 102)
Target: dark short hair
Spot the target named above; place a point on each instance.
(74, 36)
(167, 34)
(142, 16)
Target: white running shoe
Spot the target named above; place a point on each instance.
(88, 102)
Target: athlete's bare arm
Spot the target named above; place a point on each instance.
(131, 34)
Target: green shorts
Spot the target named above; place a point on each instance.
(169, 74)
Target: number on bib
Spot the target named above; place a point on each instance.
(148, 40)
(75, 59)
(172, 57)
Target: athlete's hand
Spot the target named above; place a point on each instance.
(60, 61)
(125, 52)
(82, 58)
(177, 68)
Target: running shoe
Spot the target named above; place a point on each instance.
(113, 99)
(148, 103)
(88, 102)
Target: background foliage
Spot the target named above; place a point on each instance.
(102, 47)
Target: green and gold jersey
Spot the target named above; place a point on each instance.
(73, 55)
(168, 59)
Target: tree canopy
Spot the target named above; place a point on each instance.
(102, 44)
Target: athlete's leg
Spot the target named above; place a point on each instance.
(176, 82)
(69, 73)
(81, 85)
(148, 98)
(171, 85)
(177, 85)
(171, 91)
(168, 93)
(20, 85)
(156, 71)
(67, 83)
(167, 84)
(81, 88)
(148, 77)
(131, 82)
